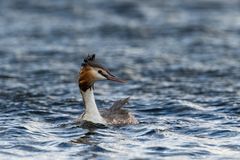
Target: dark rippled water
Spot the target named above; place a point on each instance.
(181, 60)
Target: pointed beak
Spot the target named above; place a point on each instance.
(111, 77)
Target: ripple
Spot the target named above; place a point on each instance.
(224, 133)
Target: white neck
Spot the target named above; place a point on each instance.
(91, 112)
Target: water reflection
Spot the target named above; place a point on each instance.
(86, 138)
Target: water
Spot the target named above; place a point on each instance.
(181, 60)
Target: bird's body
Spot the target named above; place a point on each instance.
(115, 115)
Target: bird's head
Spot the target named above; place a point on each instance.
(91, 71)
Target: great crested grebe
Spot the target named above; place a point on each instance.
(91, 72)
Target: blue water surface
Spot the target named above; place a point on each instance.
(181, 60)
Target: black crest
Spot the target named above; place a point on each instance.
(88, 60)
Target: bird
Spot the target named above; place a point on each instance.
(90, 72)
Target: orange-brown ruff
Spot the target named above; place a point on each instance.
(86, 78)
(91, 72)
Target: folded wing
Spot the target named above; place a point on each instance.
(117, 115)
